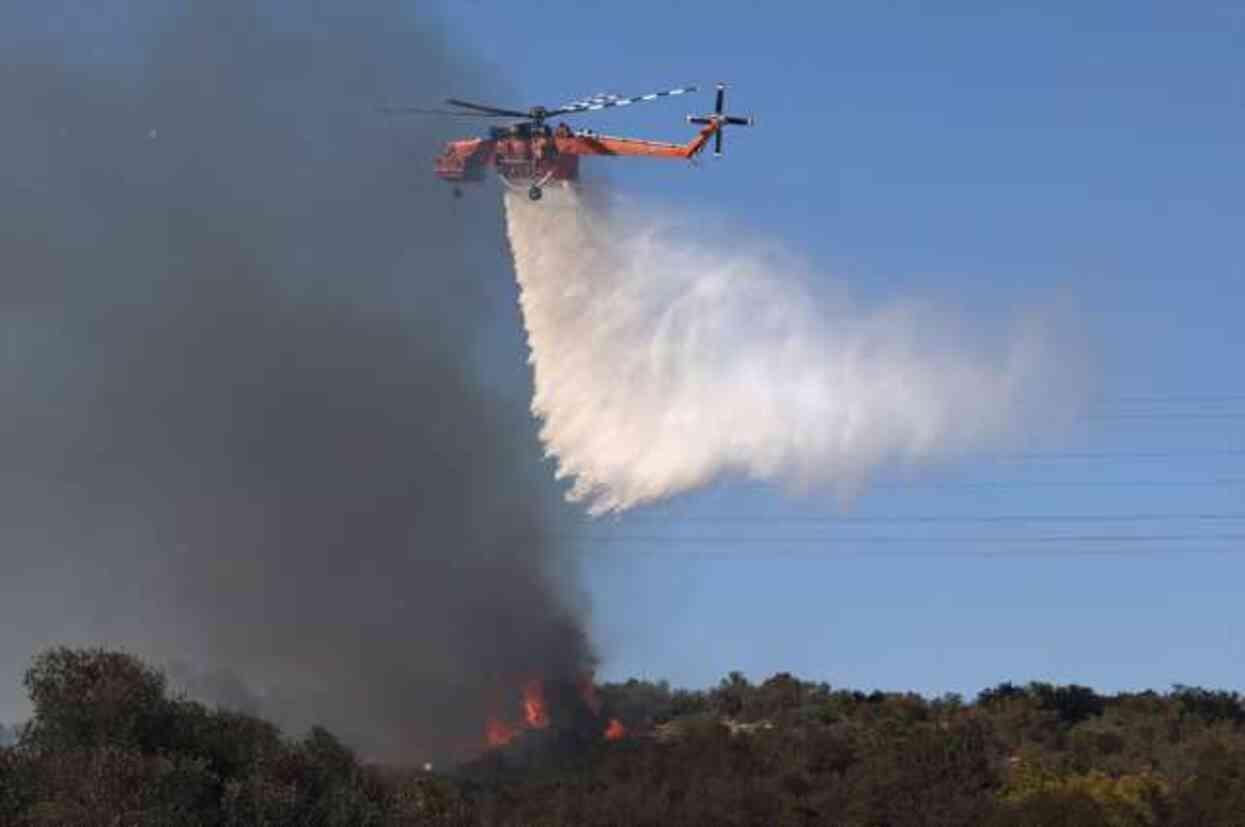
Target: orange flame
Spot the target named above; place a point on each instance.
(615, 730)
(498, 733)
(534, 710)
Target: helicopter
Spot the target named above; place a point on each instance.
(529, 153)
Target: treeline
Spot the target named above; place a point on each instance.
(107, 744)
(789, 752)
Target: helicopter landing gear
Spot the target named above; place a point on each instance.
(534, 193)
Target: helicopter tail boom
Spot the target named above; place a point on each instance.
(587, 143)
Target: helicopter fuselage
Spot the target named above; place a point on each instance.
(532, 155)
(529, 153)
(520, 155)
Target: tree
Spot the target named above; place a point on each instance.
(1005, 691)
(1216, 793)
(1210, 706)
(1071, 703)
(92, 698)
(928, 775)
(731, 694)
(16, 784)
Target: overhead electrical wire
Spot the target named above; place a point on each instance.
(873, 539)
(1055, 541)
(1193, 397)
(992, 553)
(946, 518)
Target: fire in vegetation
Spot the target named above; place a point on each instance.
(498, 733)
(562, 707)
(535, 713)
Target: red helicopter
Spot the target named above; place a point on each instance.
(531, 154)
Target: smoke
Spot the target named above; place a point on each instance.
(244, 417)
(664, 361)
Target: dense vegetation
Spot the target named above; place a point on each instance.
(108, 744)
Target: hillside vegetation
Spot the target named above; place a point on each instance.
(109, 744)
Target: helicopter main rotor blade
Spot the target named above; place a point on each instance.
(606, 101)
(717, 142)
(717, 108)
(416, 110)
(492, 110)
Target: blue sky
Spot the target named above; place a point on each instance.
(993, 158)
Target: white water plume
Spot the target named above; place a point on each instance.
(662, 362)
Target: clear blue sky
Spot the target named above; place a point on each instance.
(992, 157)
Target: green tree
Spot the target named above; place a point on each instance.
(731, 695)
(92, 698)
(1215, 795)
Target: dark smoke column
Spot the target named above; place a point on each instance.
(244, 418)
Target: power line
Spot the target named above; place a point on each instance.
(673, 539)
(1000, 553)
(1111, 455)
(943, 518)
(1211, 483)
(1168, 416)
(1193, 397)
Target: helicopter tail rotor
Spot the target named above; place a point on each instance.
(720, 120)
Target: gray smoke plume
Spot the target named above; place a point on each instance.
(244, 418)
